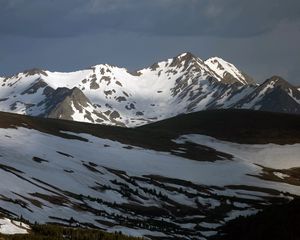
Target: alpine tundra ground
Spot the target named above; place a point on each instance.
(179, 178)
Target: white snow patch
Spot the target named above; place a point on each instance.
(10, 227)
(281, 175)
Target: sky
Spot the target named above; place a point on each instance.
(260, 37)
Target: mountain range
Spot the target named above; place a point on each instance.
(111, 95)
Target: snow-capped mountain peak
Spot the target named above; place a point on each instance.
(188, 57)
(111, 95)
(227, 71)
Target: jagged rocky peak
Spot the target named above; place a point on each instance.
(184, 59)
(68, 101)
(277, 81)
(176, 62)
(187, 56)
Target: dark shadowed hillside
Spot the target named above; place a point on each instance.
(278, 222)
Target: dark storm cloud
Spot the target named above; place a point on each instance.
(224, 18)
(260, 37)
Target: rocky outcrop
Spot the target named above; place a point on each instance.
(63, 101)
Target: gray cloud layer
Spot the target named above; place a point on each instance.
(60, 18)
(261, 36)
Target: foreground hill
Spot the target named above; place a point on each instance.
(243, 126)
(181, 178)
(110, 95)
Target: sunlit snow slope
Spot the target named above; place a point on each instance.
(10, 227)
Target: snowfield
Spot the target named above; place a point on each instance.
(110, 185)
(268, 155)
(9, 227)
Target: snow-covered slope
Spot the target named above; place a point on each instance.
(111, 95)
(227, 71)
(10, 227)
(53, 175)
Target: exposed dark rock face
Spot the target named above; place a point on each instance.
(229, 79)
(154, 66)
(109, 92)
(3, 99)
(118, 83)
(114, 115)
(61, 102)
(130, 106)
(100, 115)
(121, 99)
(94, 84)
(35, 87)
(139, 113)
(35, 71)
(113, 118)
(136, 73)
(15, 104)
(107, 79)
(185, 59)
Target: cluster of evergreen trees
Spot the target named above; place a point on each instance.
(55, 232)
